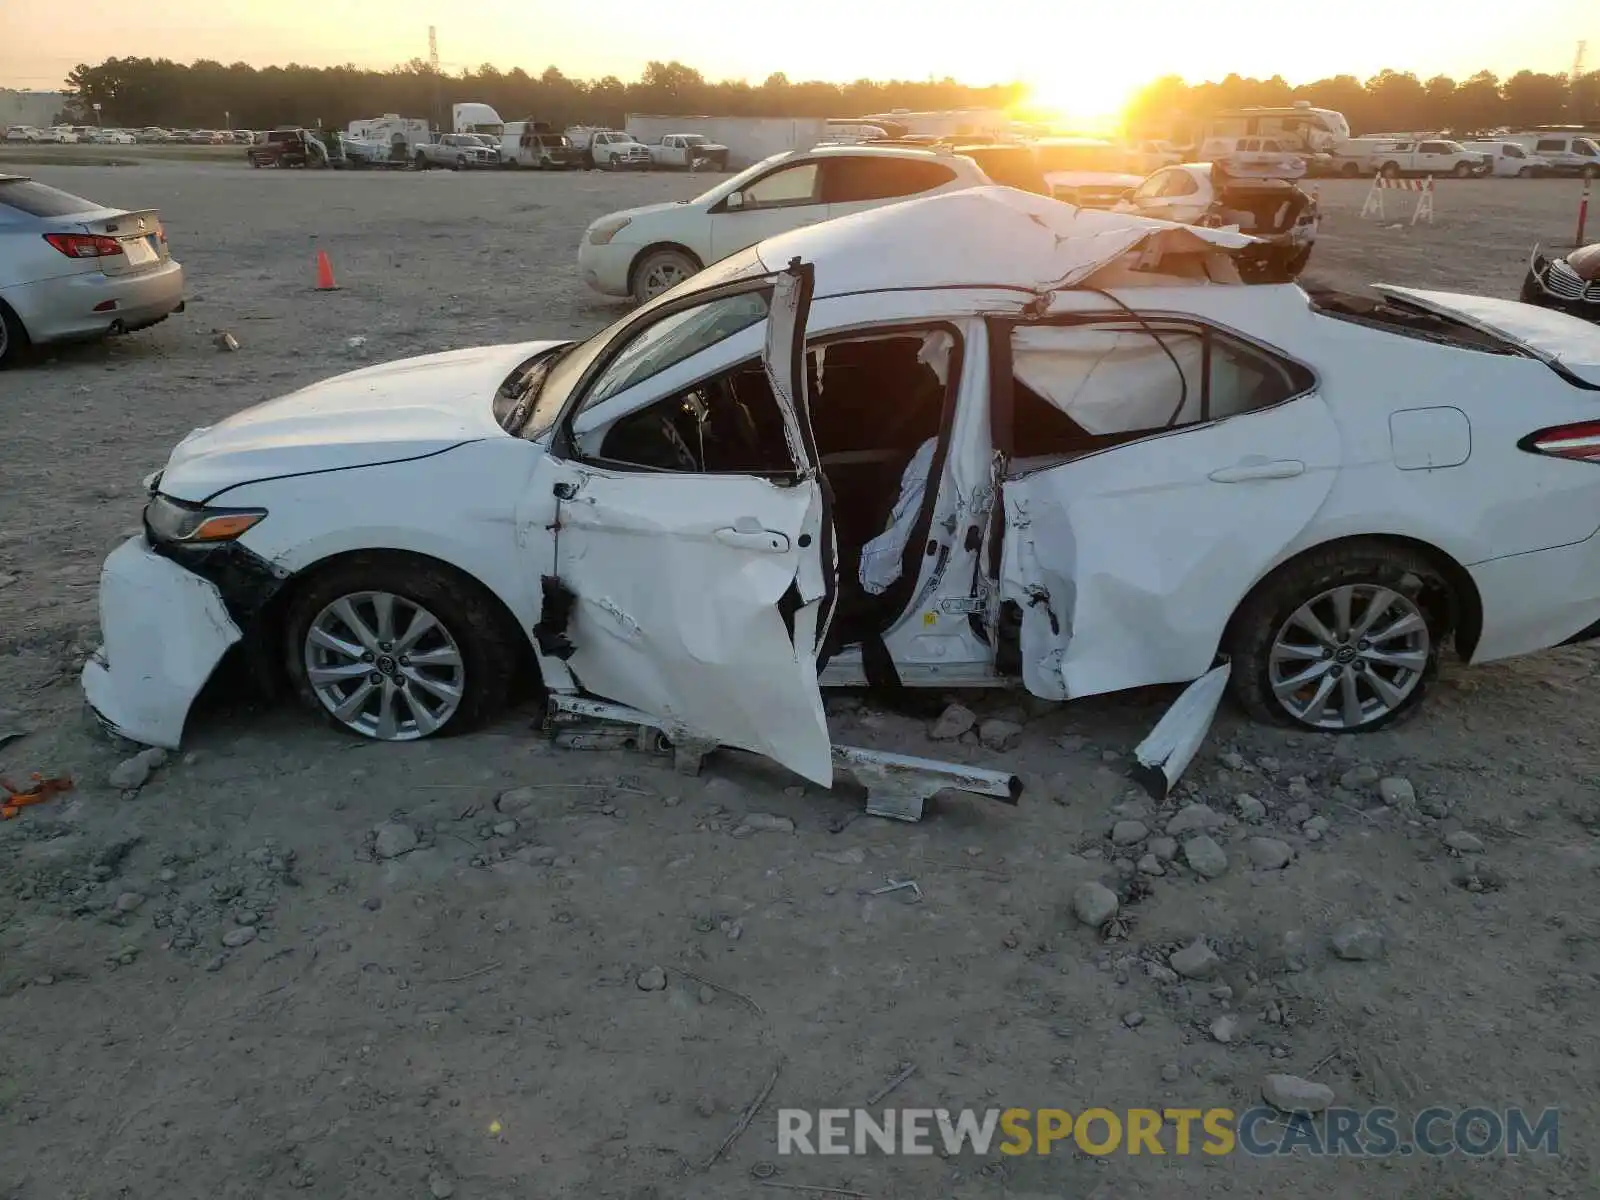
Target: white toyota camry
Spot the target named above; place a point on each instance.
(980, 439)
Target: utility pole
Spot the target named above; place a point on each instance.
(433, 65)
(1573, 82)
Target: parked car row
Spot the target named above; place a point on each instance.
(108, 135)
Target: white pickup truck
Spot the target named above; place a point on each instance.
(688, 152)
(609, 148)
(1434, 157)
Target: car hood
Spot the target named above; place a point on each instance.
(1554, 338)
(406, 409)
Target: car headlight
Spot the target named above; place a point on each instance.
(601, 232)
(168, 520)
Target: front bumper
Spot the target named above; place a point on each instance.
(63, 308)
(165, 630)
(605, 268)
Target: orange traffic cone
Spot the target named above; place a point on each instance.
(325, 281)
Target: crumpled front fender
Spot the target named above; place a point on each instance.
(164, 630)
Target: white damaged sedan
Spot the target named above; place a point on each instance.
(981, 439)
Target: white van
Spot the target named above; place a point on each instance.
(1508, 159)
(1562, 153)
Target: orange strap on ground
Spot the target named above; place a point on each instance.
(42, 789)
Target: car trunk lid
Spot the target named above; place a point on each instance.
(1567, 344)
(142, 236)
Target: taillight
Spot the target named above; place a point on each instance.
(84, 245)
(1580, 442)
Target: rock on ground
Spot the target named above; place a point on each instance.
(767, 823)
(394, 838)
(1129, 833)
(1205, 857)
(1195, 817)
(129, 774)
(999, 734)
(1196, 960)
(1225, 1028)
(1094, 904)
(652, 979)
(1358, 942)
(1396, 791)
(952, 723)
(1269, 854)
(1291, 1094)
(1463, 842)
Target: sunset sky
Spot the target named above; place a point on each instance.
(1084, 65)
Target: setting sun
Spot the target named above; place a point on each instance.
(1084, 102)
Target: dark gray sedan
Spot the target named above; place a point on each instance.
(72, 269)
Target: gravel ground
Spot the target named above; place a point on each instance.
(487, 968)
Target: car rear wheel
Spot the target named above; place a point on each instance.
(1462, 170)
(13, 337)
(1390, 171)
(396, 648)
(421, 161)
(1344, 640)
(1590, 172)
(1350, 170)
(660, 270)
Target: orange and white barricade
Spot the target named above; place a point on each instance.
(1373, 206)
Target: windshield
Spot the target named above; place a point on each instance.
(574, 362)
(728, 186)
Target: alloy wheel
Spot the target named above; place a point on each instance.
(1349, 656)
(661, 277)
(384, 666)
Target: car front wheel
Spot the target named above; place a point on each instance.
(396, 648)
(660, 270)
(1462, 170)
(1344, 640)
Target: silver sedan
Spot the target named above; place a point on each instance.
(71, 268)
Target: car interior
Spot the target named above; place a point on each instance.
(874, 402)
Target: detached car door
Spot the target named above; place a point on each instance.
(699, 563)
(1159, 468)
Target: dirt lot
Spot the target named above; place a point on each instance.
(467, 1018)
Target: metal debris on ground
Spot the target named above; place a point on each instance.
(748, 1115)
(906, 1072)
(224, 340)
(704, 982)
(894, 885)
(16, 799)
(814, 1189)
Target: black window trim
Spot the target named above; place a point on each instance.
(1002, 395)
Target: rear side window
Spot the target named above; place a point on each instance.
(1550, 146)
(37, 200)
(871, 178)
(1435, 148)
(1081, 388)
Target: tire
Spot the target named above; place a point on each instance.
(1525, 173)
(1390, 170)
(461, 163)
(421, 161)
(1264, 620)
(1590, 172)
(256, 163)
(1462, 170)
(649, 272)
(13, 337)
(473, 628)
(1350, 170)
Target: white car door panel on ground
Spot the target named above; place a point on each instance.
(700, 597)
(1128, 561)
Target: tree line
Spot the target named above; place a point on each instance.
(136, 92)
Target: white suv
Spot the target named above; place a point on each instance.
(641, 252)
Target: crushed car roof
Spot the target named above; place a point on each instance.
(979, 237)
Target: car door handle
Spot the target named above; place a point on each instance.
(766, 541)
(1246, 472)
